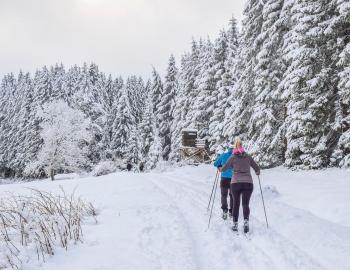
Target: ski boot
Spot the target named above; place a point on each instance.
(235, 227)
(224, 215)
(246, 226)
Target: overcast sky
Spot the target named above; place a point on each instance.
(122, 36)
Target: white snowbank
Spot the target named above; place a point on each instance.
(158, 220)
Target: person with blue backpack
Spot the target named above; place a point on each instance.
(225, 181)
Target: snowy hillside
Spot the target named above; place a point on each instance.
(158, 221)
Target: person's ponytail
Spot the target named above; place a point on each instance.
(238, 143)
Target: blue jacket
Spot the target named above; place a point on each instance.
(220, 162)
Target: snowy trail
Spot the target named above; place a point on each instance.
(158, 221)
(297, 239)
(267, 249)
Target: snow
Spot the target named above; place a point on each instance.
(189, 130)
(158, 220)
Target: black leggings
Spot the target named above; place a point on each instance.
(225, 190)
(246, 189)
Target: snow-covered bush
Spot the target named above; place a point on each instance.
(109, 166)
(103, 168)
(33, 226)
(65, 132)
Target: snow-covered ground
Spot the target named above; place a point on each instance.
(159, 221)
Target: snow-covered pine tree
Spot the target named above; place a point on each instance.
(203, 104)
(136, 93)
(113, 93)
(184, 98)
(166, 107)
(42, 86)
(339, 29)
(242, 95)
(7, 91)
(57, 74)
(12, 118)
(146, 128)
(88, 98)
(265, 133)
(344, 98)
(309, 86)
(156, 90)
(222, 82)
(123, 128)
(71, 83)
(232, 47)
(155, 151)
(231, 77)
(65, 135)
(178, 115)
(22, 125)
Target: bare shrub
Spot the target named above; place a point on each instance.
(34, 225)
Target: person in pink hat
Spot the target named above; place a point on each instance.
(241, 182)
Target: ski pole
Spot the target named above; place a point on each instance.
(262, 197)
(212, 190)
(212, 205)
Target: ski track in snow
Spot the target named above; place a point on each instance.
(295, 243)
(266, 250)
(161, 240)
(158, 221)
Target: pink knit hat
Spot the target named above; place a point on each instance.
(239, 150)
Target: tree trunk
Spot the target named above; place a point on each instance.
(52, 174)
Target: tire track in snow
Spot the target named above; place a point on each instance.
(268, 239)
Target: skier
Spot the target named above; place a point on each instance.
(141, 167)
(241, 182)
(225, 182)
(129, 166)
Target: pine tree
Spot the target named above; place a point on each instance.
(232, 50)
(146, 128)
(57, 75)
(166, 107)
(23, 126)
(265, 133)
(344, 98)
(156, 90)
(223, 83)
(309, 106)
(204, 86)
(184, 98)
(136, 93)
(123, 128)
(339, 28)
(155, 151)
(242, 97)
(113, 93)
(7, 102)
(88, 98)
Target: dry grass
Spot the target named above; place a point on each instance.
(37, 223)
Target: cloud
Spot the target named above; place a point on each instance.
(121, 36)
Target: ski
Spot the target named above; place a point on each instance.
(248, 236)
(235, 232)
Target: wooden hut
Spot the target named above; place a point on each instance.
(193, 149)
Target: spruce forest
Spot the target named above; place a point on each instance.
(282, 83)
